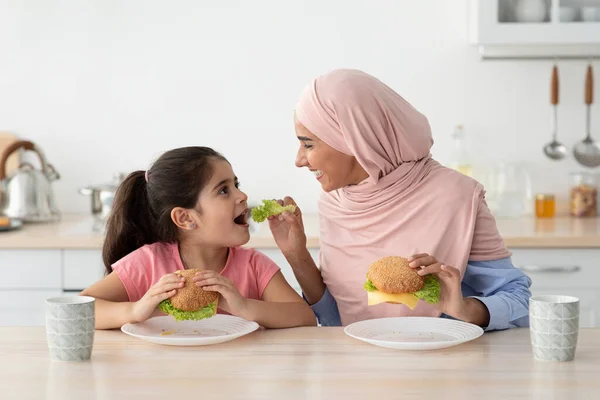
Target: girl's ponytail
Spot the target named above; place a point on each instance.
(130, 224)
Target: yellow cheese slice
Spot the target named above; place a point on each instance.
(376, 297)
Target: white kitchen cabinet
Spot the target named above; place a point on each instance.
(571, 272)
(517, 29)
(81, 268)
(24, 307)
(28, 278)
(286, 269)
(30, 269)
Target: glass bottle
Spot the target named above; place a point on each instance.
(460, 158)
(545, 205)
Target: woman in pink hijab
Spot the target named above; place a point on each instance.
(383, 194)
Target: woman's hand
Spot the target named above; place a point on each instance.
(451, 298)
(288, 229)
(231, 299)
(165, 288)
(288, 232)
(451, 302)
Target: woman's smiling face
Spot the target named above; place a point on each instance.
(333, 169)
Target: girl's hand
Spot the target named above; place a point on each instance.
(288, 229)
(231, 299)
(451, 301)
(165, 288)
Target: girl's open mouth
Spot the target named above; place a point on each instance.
(242, 219)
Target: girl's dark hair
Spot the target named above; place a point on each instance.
(141, 211)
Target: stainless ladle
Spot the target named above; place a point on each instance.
(587, 152)
(554, 150)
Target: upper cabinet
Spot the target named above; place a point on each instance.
(535, 28)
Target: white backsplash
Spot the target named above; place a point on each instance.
(105, 86)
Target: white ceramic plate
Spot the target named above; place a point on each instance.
(166, 330)
(413, 333)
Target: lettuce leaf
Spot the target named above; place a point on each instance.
(369, 287)
(431, 291)
(269, 208)
(167, 307)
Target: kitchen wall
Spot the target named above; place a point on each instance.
(106, 85)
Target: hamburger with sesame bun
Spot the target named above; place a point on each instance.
(190, 302)
(392, 280)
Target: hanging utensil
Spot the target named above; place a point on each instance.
(554, 150)
(587, 152)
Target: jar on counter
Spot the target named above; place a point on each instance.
(584, 194)
(545, 205)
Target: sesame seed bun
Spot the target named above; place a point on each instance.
(191, 297)
(393, 275)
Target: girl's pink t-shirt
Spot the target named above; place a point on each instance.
(248, 269)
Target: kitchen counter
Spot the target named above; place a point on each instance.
(302, 363)
(75, 232)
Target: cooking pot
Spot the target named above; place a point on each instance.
(102, 196)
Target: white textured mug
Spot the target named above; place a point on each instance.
(70, 326)
(554, 327)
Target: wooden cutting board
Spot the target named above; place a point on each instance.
(6, 139)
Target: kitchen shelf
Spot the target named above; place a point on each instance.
(498, 31)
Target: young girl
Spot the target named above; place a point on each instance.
(187, 211)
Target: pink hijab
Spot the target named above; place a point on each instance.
(409, 203)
